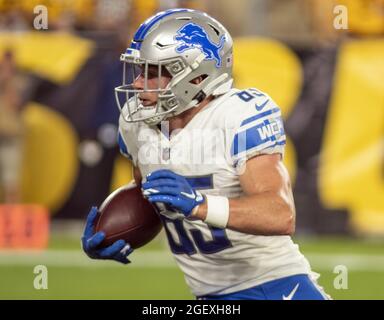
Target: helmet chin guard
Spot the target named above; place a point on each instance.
(183, 44)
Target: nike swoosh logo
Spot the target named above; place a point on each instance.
(189, 195)
(290, 296)
(260, 107)
(149, 191)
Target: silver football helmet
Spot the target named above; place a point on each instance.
(185, 44)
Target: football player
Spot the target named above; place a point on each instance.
(210, 157)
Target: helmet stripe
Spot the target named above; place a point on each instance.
(147, 25)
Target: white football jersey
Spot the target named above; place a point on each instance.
(210, 152)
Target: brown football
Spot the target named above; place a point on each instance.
(126, 214)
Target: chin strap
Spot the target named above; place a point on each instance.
(224, 87)
(221, 89)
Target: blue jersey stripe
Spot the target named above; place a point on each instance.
(258, 116)
(146, 26)
(278, 143)
(250, 138)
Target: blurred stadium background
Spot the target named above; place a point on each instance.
(58, 151)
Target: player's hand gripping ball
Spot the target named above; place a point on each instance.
(92, 240)
(125, 221)
(173, 190)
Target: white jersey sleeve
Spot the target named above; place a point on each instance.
(127, 140)
(254, 127)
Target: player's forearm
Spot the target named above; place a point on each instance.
(262, 214)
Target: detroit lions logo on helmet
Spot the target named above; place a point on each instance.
(193, 36)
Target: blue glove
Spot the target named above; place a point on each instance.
(173, 190)
(118, 251)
